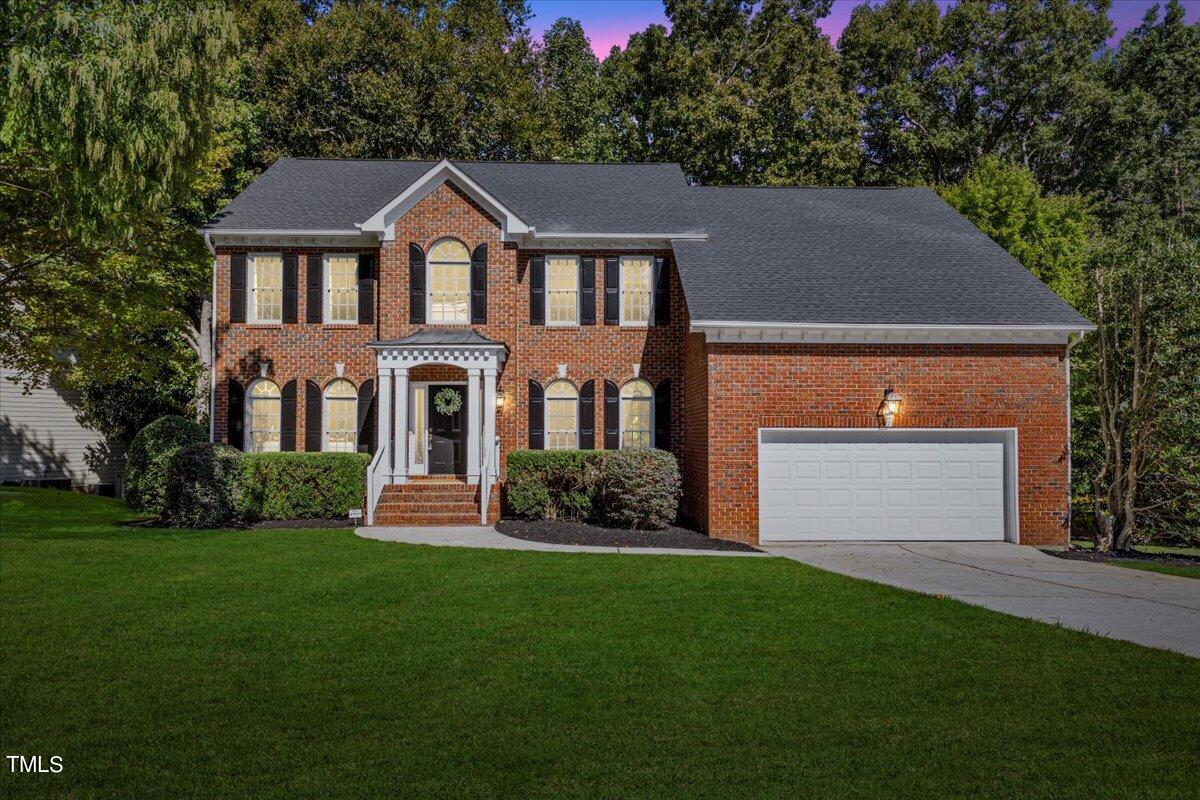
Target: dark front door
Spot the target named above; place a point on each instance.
(448, 453)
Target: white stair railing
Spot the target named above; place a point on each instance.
(377, 477)
(489, 474)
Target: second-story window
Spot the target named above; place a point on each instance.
(637, 290)
(266, 287)
(562, 290)
(450, 282)
(341, 288)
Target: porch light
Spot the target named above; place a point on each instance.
(263, 368)
(500, 398)
(890, 406)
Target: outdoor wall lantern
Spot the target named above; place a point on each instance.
(263, 368)
(500, 398)
(890, 406)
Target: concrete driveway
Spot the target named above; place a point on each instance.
(1156, 610)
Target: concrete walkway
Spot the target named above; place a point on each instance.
(1149, 608)
(491, 539)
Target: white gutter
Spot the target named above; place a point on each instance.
(278, 232)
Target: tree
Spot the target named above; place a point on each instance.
(106, 122)
(574, 99)
(1142, 364)
(940, 91)
(1048, 235)
(738, 93)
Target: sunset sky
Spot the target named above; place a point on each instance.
(612, 21)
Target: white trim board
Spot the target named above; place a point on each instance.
(832, 333)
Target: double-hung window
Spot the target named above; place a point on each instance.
(341, 288)
(263, 412)
(637, 290)
(637, 404)
(562, 290)
(450, 282)
(562, 416)
(266, 287)
(341, 417)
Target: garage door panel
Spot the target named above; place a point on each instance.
(891, 490)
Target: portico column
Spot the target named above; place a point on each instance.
(489, 419)
(473, 422)
(383, 417)
(401, 425)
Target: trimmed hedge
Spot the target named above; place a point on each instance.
(302, 485)
(146, 460)
(625, 488)
(640, 489)
(203, 486)
(552, 484)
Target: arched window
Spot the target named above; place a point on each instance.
(637, 403)
(562, 416)
(341, 417)
(450, 282)
(263, 409)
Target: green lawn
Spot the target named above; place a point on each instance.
(285, 664)
(1182, 570)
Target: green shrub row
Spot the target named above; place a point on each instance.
(622, 488)
(302, 485)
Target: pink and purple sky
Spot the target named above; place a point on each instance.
(612, 21)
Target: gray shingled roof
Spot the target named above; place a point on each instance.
(854, 256)
(335, 194)
(439, 336)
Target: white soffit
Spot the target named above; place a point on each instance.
(787, 333)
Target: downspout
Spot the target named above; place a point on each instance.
(212, 346)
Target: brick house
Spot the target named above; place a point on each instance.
(826, 364)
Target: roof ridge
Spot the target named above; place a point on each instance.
(484, 161)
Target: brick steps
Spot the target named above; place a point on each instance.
(431, 502)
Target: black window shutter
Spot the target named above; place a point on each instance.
(416, 284)
(234, 413)
(237, 287)
(612, 416)
(312, 416)
(612, 295)
(587, 416)
(366, 289)
(536, 438)
(479, 285)
(587, 291)
(662, 293)
(366, 416)
(291, 287)
(287, 417)
(537, 290)
(314, 296)
(662, 416)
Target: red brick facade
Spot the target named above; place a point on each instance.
(721, 393)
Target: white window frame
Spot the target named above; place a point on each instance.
(429, 282)
(327, 289)
(325, 416)
(248, 414)
(251, 291)
(578, 292)
(546, 414)
(621, 400)
(621, 293)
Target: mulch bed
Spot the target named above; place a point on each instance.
(1079, 554)
(561, 531)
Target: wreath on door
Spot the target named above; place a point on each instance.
(447, 401)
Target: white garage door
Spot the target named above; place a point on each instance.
(885, 485)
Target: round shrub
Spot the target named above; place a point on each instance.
(553, 484)
(640, 489)
(147, 456)
(528, 498)
(203, 485)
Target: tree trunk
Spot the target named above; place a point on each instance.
(204, 351)
(1105, 523)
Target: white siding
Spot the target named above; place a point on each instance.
(42, 440)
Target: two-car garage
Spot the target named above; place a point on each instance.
(887, 484)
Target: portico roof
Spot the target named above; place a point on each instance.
(439, 337)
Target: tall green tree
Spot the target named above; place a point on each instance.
(574, 99)
(939, 91)
(738, 92)
(105, 123)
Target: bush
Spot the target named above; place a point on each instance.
(202, 486)
(302, 485)
(551, 484)
(147, 457)
(640, 488)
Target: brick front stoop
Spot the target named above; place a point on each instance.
(433, 502)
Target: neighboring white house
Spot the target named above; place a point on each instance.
(42, 442)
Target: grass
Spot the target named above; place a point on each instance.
(282, 664)
(1182, 570)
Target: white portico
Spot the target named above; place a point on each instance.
(410, 431)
